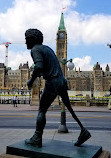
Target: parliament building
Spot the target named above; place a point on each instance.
(97, 79)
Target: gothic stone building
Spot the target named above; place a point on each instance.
(17, 79)
(97, 79)
(14, 79)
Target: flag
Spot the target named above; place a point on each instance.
(63, 8)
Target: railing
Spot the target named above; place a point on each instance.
(92, 100)
(7, 96)
(19, 101)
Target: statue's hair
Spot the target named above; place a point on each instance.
(35, 34)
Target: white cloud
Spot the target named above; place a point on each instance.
(16, 59)
(83, 63)
(2, 54)
(24, 14)
(45, 15)
(96, 29)
(93, 29)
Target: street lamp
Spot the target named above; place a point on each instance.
(109, 45)
(29, 96)
(39, 84)
(62, 127)
(0, 96)
(21, 94)
(110, 90)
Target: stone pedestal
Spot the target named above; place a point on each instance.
(54, 149)
(87, 100)
(109, 104)
(36, 94)
(35, 101)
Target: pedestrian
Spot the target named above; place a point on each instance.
(15, 101)
(47, 65)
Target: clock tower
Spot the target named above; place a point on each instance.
(61, 42)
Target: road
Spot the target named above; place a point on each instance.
(27, 120)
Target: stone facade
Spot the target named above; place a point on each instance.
(14, 79)
(97, 79)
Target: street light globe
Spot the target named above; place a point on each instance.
(70, 65)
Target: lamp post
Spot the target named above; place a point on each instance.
(62, 128)
(21, 94)
(29, 96)
(0, 96)
(109, 45)
(110, 90)
(39, 84)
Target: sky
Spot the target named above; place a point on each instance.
(88, 25)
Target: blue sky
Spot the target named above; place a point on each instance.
(88, 25)
(93, 7)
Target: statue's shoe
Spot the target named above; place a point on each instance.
(84, 136)
(35, 140)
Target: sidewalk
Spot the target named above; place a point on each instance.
(10, 136)
(25, 107)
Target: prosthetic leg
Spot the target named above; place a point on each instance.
(84, 136)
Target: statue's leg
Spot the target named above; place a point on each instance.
(84, 134)
(45, 102)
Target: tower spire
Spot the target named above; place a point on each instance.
(61, 25)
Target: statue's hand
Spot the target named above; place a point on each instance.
(29, 84)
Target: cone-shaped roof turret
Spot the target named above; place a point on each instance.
(61, 25)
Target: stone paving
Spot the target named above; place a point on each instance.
(10, 136)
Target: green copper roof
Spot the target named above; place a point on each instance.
(9, 68)
(94, 65)
(61, 25)
(32, 66)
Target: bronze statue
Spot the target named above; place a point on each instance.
(47, 65)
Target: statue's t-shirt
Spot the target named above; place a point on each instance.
(46, 62)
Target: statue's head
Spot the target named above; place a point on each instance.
(33, 36)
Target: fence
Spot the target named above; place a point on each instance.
(7, 96)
